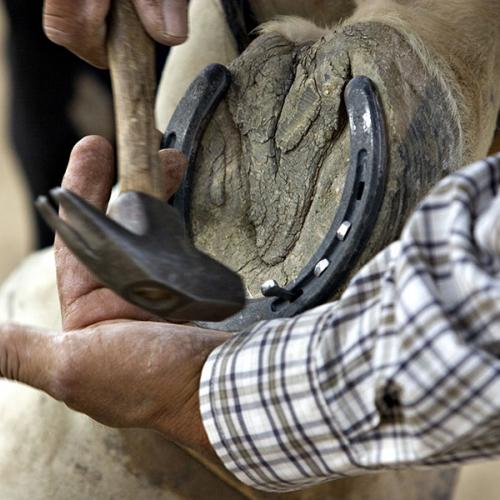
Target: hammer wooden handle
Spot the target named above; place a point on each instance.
(131, 61)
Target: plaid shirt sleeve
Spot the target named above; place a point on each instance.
(402, 370)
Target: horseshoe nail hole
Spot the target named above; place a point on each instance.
(362, 158)
(169, 141)
(361, 190)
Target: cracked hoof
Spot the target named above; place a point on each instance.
(272, 164)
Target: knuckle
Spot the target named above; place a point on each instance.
(61, 29)
(83, 35)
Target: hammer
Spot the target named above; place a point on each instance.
(140, 250)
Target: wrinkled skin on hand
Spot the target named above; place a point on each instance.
(81, 26)
(113, 361)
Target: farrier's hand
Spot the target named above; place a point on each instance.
(81, 26)
(113, 362)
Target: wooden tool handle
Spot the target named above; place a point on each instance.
(131, 60)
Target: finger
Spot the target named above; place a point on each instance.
(83, 300)
(165, 20)
(29, 355)
(175, 163)
(89, 175)
(90, 170)
(80, 27)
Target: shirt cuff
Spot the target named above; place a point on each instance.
(402, 370)
(246, 393)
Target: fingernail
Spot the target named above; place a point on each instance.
(175, 18)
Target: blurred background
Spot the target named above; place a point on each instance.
(16, 227)
(48, 100)
(18, 231)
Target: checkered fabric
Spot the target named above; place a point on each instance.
(402, 370)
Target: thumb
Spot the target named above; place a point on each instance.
(30, 356)
(165, 20)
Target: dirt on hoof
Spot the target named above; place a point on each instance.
(272, 165)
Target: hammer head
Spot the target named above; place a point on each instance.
(142, 253)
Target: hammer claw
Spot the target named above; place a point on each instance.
(140, 248)
(70, 237)
(48, 213)
(90, 223)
